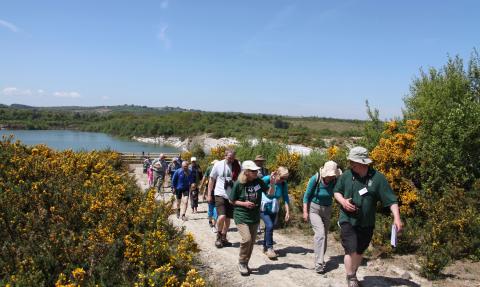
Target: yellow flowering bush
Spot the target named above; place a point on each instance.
(78, 219)
(393, 157)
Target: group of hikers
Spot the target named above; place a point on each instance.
(246, 192)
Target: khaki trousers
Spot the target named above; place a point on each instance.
(320, 220)
(248, 232)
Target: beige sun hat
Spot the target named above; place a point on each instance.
(214, 161)
(250, 165)
(330, 168)
(359, 154)
(259, 158)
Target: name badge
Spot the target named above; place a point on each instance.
(257, 187)
(363, 191)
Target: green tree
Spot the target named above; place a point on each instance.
(447, 102)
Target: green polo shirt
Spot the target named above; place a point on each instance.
(250, 191)
(350, 184)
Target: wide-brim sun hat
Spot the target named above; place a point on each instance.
(330, 168)
(359, 154)
(250, 165)
(259, 158)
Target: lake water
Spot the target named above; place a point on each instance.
(75, 140)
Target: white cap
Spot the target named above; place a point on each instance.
(248, 164)
(193, 159)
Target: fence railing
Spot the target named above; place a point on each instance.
(133, 157)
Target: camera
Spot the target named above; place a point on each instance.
(228, 183)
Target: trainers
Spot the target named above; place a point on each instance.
(271, 253)
(214, 229)
(352, 281)
(320, 268)
(243, 268)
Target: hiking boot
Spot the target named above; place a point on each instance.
(225, 242)
(320, 268)
(271, 253)
(352, 281)
(243, 268)
(218, 242)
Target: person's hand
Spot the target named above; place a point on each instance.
(398, 225)
(305, 216)
(348, 205)
(287, 216)
(272, 178)
(249, 204)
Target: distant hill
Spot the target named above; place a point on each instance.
(143, 121)
(105, 109)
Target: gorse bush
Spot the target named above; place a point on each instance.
(79, 219)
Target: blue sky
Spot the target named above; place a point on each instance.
(302, 58)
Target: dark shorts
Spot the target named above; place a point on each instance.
(355, 238)
(224, 207)
(180, 193)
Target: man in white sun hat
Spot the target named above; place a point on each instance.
(357, 191)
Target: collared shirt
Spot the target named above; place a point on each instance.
(351, 185)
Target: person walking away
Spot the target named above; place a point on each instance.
(204, 188)
(246, 196)
(172, 167)
(181, 186)
(260, 162)
(160, 167)
(270, 207)
(146, 164)
(223, 175)
(195, 171)
(150, 175)
(357, 191)
(263, 171)
(317, 205)
(194, 197)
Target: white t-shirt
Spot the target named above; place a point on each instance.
(221, 170)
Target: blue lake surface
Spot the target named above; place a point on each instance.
(76, 140)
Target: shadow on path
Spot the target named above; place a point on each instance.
(265, 269)
(387, 281)
(293, 250)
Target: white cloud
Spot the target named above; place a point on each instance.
(163, 37)
(105, 98)
(164, 4)
(71, 95)
(9, 26)
(16, 92)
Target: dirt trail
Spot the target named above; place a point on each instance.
(294, 266)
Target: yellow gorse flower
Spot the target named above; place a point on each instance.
(86, 210)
